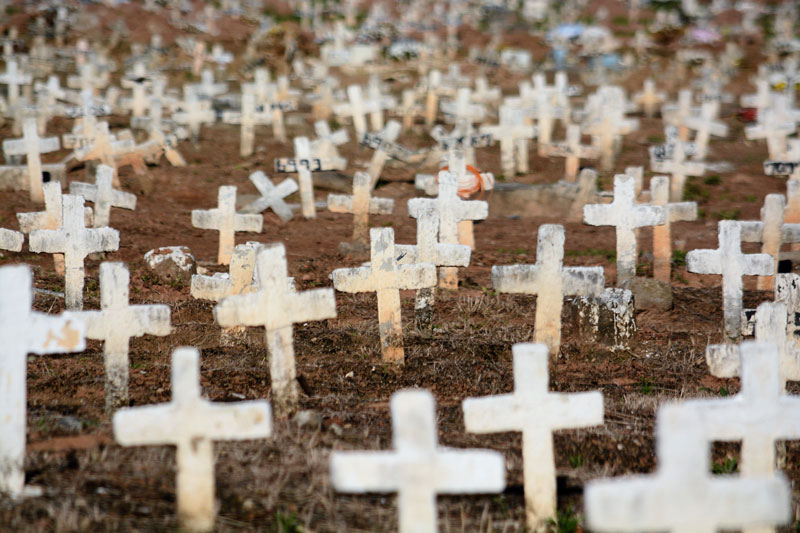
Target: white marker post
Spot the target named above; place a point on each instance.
(662, 235)
(227, 221)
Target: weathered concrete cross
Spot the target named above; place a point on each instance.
(227, 221)
(704, 126)
(772, 232)
(537, 413)
(271, 196)
(192, 423)
(511, 132)
(302, 152)
(649, 98)
(572, 150)
(662, 235)
(103, 195)
(31, 146)
(361, 205)
(13, 78)
(679, 168)
(386, 135)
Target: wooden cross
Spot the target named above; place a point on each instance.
(271, 196)
(625, 215)
(536, 412)
(115, 323)
(704, 126)
(417, 469)
(662, 235)
(192, 423)
(302, 152)
(13, 78)
(572, 150)
(276, 306)
(227, 221)
(385, 277)
(76, 242)
(679, 168)
(103, 195)
(683, 494)
(31, 146)
(729, 261)
(550, 281)
(649, 98)
(361, 205)
(23, 331)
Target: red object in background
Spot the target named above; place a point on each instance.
(747, 114)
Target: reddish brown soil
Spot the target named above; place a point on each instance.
(92, 484)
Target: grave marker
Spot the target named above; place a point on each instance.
(361, 205)
(12, 78)
(302, 153)
(381, 142)
(772, 232)
(662, 235)
(649, 98)
(572, 150)
(271, 196)
(31, 146)
(705, 125)
(679, 168)
(227, 221)
(103, 195)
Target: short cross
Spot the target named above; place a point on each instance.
(324, 146)
(729, 261)
(550, 281)
(271, 196)
(385, 277)
(704, 126)
(361, 205)
(774, 129)
(115, 323)
(192, 423)
(76, 242)
(23, 331)
(302, 152)
(102, 149)
(625, 215)
(137, 81)
(649, 98)
(676, 113)
(241, 278)
(386, 135)
(103, 195)
(13, 78)
(572, 150)
(511, 131)
(355, 109)
(662, 235)
(249, 119)
(461, 111)
(417, 469)
(537, 413)
(683, 494)
(679, 168)
(193, 114)
(376, 103)
(227, 221)
(276, 306)
(31, 146)
(772, 232)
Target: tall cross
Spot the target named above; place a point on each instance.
(355, 109)
(31, 146)
(23, 331)
(679, 168)
(276, 307)
(271, 196)
(103, 195)
(772, 232)
(13, 78)
(729, 261)
(302, 152)
(537, 413)
(625, 215)
(324, 146)
(683, 494)
(550, 281)
(227, 221)
(572, 150)
(115, 323)
(249, 118)
(417, 469)
(192, 423)
(76, 242)
(649, 98)
(385, 277)
(361, 205)
(662, 235)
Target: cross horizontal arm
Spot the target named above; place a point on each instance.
(361, 472)
(353, 279)
(252, 223)
(517, 279)
(583, 281)
(704, 262)
(469, 471)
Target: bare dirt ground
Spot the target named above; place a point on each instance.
(281, 483)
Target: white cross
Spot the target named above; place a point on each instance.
(302, 152)
(705, 125)
(675, 114)
(679, 168)
(115, 323)
(193, 114)
(249, 117)
(511, 131)
(572, 150)
(324, 146)
(387, 135)
(683, 495)
(385, 277)
(662, 235)
(537, 413)
(625, 215)
(460, 111)
(192, 423)
(276, 306)
(103, 195)
(23, 331)
(137, 81)
(550, 281)
(361, 205)
(774, 129)
(76, 242)
(271, 196)
(104, 148)
(13, 78)
(649, 98)
(240, 279)
(227, 221)
(729, 261)
(355, 109)
(417, 469)
(31, 146)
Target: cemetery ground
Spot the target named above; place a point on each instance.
(282, 483)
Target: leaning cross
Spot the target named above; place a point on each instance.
(227, 221)
(537, 413)
(31, 146)
(115, 323)
(729, 261)
(23, 331)
(276, 306)
(550, 281)
(662, 235)
(385, 277)
(103, 195)
(76, 242)
(625, 215)
(361, 205)
(192, 423)
(572, 150)
(271, 196)
(385, 136)
(417, 469)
